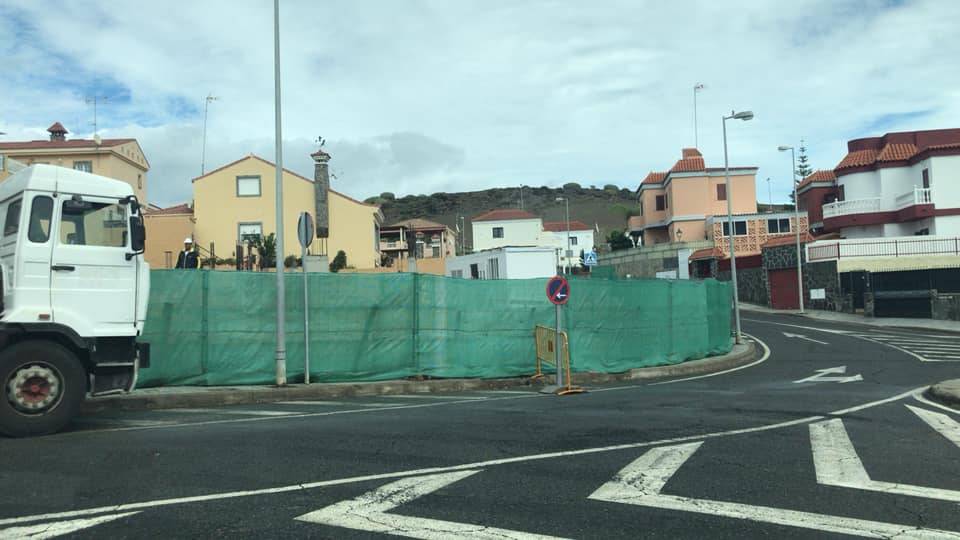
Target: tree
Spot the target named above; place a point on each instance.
(386, 195)
(618, 240)
(803, 166)
(267, 249)
(571, 186)
(611, 188)
(339, 262)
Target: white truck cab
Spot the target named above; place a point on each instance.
(75, 290)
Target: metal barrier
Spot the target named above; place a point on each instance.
(547, 353)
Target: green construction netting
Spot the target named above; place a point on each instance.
(218, 328)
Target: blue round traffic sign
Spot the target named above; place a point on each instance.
(558, 290)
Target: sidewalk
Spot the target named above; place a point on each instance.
(947, 392)
(921, 324)
(172, 397)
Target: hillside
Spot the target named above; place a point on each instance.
(608, 207)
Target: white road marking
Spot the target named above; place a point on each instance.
(504, 391)
(427, 396)
(766, 354)
(368, 512)
(335, 403)
(124, 422)
(856, 408)
(243, 412)
(823, 376)
(826, 330)
(838, 464)
(52, 530)
(946, 426)
(401, 474)
(640, 483)
(801, 336)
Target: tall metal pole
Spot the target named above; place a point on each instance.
(769, 196)
(733, 256)
(203, 154)
(306, 317)
(558, 344)
(281, 356)
(696, 88)
(796, 214)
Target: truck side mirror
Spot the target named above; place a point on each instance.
(138, 234)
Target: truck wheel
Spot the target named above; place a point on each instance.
(43, 387)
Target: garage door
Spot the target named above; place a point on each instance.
(783, 289)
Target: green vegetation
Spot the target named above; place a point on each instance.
(339, 262)
(618, 240)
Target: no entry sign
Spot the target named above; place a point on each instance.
(558, 290)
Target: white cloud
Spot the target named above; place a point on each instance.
(424, 96)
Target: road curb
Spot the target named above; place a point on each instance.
(190, 397)
(946, 393)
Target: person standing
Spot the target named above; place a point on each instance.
(188, 258)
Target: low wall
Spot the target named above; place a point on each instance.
(648, 260)
(218, 328)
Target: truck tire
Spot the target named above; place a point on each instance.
(43, 386)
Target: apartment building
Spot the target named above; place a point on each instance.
(899, 184)
(506, 227)
(675, 205)
(122, 159)
(427, 242)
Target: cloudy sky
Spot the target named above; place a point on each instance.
(417, 97)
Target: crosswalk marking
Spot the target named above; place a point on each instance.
(640, 483)
(931, 349)
(946, 426)
(243, 412)
(422, 396)
(837, 464)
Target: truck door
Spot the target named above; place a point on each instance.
(93, 283)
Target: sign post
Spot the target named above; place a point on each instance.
(305, 235)
(558, 292)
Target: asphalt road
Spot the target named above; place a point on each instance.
(824, 436)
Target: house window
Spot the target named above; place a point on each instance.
(739, 228)
(498, 232)
(493, 269)
(922, 232)
(139, 181)
(661, 202)
(573, 240)
(474, 271)
(926, 178)
(248, 186)
(249, 232)
(12, 222)
(841, 195)
(418, 253)
(778, 226)
(436, 252)
(85, 166)
(721, 192)
(456, 273)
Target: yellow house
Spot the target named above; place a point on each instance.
(237, 201)
(166, 230)
(122, 159)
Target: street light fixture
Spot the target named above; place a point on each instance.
(567, 253)
(742, 115)
(796, 217)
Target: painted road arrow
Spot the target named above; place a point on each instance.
(801, 336)
(641, 482)
(823, 375)
(368, 512)
(57, 528)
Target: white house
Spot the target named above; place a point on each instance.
(504, 263)
(580, 239)
(506, 227)
(900, 184)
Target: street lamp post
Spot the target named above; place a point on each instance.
(796, 218)
(281, 354)
(566, 253)
(742, 115)
(203, 153)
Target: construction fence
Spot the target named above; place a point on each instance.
(219, 328)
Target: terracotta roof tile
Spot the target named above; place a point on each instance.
(417, 223)
(57, 127)
(690, 164)
(818, 176)
(654, 178)
(706, 253)
(178, 209)
(788, 239)
(897, 152)
(561, 226)
(505, 214)
(858, 158)
(72, 143)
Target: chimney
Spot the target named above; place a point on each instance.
(321, 187)
(57, 132)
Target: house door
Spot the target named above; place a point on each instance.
(783, 288)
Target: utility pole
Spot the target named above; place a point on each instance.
(521, 196)
(696, 88)
(203, 156)
(94, 101)
(281, 356)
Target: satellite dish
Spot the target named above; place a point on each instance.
(96, 139)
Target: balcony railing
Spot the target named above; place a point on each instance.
(918, 195)
(894, 247)
(392, 244)
(855, 206)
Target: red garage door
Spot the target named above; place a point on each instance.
(783, 289)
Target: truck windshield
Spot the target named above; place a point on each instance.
(86, 223)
